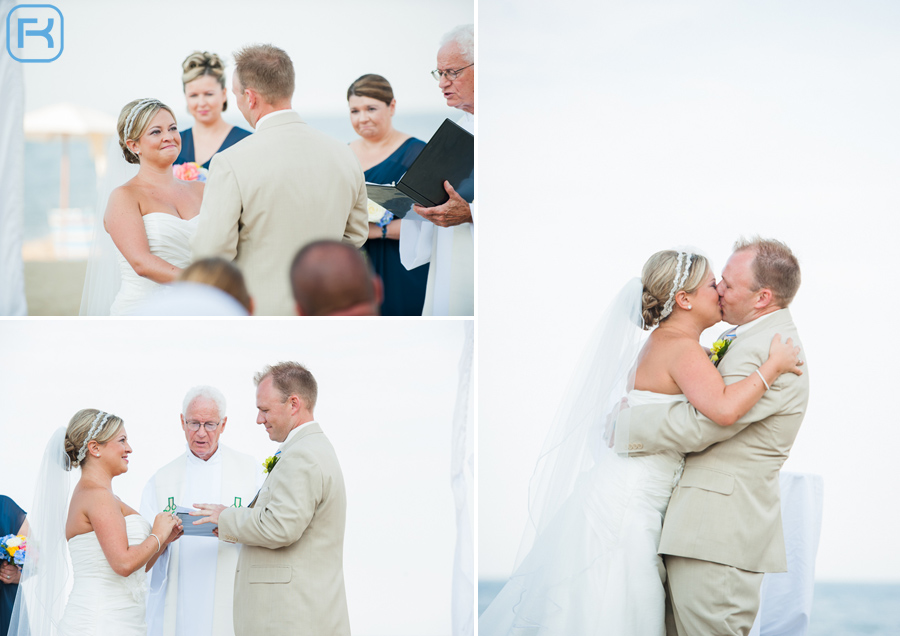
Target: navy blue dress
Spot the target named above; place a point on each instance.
(187, 144)
(11, 519)
(404, 289)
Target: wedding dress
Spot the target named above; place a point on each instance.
(103, 602)
(594, 567)
(169, 238)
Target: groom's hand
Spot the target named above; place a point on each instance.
(209, 512)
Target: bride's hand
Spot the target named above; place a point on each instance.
(164, 524)
(176, 534)
(785, 356)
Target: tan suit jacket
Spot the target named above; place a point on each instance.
(266, 197)
(290, 576)
(726, 507)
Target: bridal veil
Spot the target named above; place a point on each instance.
(41, 598)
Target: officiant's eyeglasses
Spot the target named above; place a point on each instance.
(450, 75)
(195, 426)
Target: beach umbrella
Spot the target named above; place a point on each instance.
(67, 120)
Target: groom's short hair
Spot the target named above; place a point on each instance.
(266, 69)
(291, 378)
(774, 267)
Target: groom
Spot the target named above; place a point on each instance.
(722, 529)
(280, 188)
(290, 576)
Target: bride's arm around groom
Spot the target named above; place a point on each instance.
(723, 526)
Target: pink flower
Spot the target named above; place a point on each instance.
(190, 171)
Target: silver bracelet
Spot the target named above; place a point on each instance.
(762, 378)
(159, 545)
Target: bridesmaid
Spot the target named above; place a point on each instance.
(207, 99)
(12, 521)
(385, 154)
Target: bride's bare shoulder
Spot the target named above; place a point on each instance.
(88, 501)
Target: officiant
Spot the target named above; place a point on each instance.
(445, 235)
(192, 584)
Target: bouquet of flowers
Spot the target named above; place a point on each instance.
(190, 171)
(379, 215)
(12, 549)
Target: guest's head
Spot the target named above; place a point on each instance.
(191, 299)
(455, 68)
(286, 396)
(762, 276)
(371, 101)
(330, 278)
(147, 130)
(203, 78)
(203, 420)
(263, 81)
(97, 438)
(217, 272)
(678, 281)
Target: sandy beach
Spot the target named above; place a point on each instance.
(53, 288)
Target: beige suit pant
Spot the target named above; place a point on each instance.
(710, 599)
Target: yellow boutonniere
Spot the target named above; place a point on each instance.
(718, 350)
(269, 463)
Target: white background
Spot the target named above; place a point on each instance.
(386, 396)
(119, 51)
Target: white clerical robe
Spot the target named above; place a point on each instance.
(192, 583)
(451, 252)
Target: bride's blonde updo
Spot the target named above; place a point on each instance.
(136, 117)
(104, 426)
(661, 285)
(200, 63)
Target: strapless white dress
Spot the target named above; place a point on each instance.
(169, 238)
(595, 570)
(103, 603)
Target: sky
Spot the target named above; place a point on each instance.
(618, 129)
(116, 51)
(387, 391)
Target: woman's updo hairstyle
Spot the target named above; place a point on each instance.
(87, 425)
(374, 86)
(134, 120)
(200, 63)
(664, 275)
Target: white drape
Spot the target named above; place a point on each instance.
(12, 179)
(786, 598)
(462, 479)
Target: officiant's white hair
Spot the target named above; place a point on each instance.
(464, 36)
(204, 391)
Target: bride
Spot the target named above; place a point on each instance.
(110, 544)
(150, 218)
(588, 563)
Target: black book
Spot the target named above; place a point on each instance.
(448, 156)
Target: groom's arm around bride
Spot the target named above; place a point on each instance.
(723, 524)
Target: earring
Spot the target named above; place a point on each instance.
(689, 307)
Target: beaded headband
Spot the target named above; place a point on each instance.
(682, 269)
(96, 426)
(135, 111)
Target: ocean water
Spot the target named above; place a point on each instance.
(839, 609)
(42, 164)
